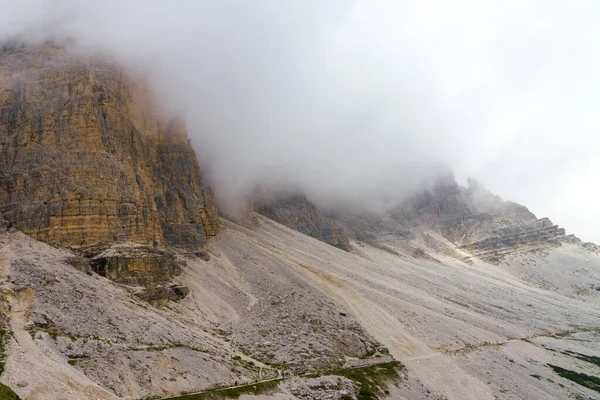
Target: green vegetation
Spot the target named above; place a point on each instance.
(7, 393)
(231, 393)
(375, 352)
(31, 332)
(590, 382)
(341, 246)
(371, 379)
(246, 363)
(2, 342)
(73, 359)
(560, 335)
(591, 359)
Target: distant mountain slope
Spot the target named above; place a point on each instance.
(443, 217)
(297, 212)
(471, 219)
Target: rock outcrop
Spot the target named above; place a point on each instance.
(473, 219)
(135, 265)
(539, 234)
(300, 214)
(463, 215)
(484, 225)
(88, 160)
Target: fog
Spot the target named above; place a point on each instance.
(361, 100)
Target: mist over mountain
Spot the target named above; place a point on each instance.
(355, 101)
(272, 200)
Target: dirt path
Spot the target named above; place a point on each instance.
(502, 343)
(271, 380)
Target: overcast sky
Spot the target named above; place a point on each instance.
(352, 99)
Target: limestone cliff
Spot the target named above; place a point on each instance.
(481, 223)
(297, 212)
(470, 218)
(88, 160)
(463, 215)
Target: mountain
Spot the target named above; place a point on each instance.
(298, 213)
(469, 222)
(120, 280)
(88, 162)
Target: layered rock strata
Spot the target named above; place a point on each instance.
(471, 218)
(87, 160)
(527, 237)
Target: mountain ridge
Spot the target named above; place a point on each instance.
(471, 219)
(120, 281)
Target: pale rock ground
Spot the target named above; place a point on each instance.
(420, 308)
(456, 326)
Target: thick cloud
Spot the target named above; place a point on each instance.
(356, 99)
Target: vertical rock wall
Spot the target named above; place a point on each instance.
(87, 159)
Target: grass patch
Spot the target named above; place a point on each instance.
(31, 331)
(376, 352)
(368, 354)
(246, 363)
(2, 342)
(590, 382)
(560, 335)
(232, 393)
(7, 393)
(590, 359)
(341, 246)
(73, 359)
(371, 379)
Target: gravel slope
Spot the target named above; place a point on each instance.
(273, 296)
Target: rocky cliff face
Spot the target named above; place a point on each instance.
(529, 236)
(463, 215)
(481, 223)
(471, 219)
(87, 160)
(298, 213)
